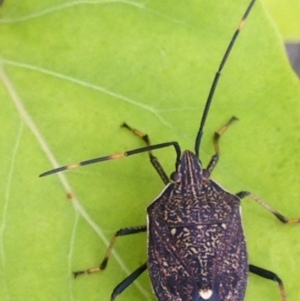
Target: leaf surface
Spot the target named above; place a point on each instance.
(72, 72)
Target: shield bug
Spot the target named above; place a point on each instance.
(196, 246)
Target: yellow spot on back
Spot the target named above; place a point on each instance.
(205, 294)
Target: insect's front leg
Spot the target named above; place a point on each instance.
(282, 218)
(270, 276)
(154, 161)
(103, 264)
(217, 135)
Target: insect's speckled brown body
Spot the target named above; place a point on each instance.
(196, 245)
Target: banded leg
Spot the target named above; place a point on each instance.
(154, 161)
(215, 158)
(282, 218)
(270, 276)
(103, 264)
(128, 281)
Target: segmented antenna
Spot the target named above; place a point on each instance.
(167, 144)
(216, 79)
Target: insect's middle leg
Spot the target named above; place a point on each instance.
(270, 276)
(154, 161)
(215, 158)
(103, 264)
(282, 218)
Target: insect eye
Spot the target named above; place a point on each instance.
(175, 176)
(206, 173)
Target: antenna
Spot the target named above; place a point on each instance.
(175, 144)
(217, 76)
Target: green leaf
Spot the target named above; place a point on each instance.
(286, 16)
(72, 72)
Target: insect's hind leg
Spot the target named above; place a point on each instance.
(282, 218)
(217, 135)
(128, 281)
(103, 264)
(269, 275)
(154, 161)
